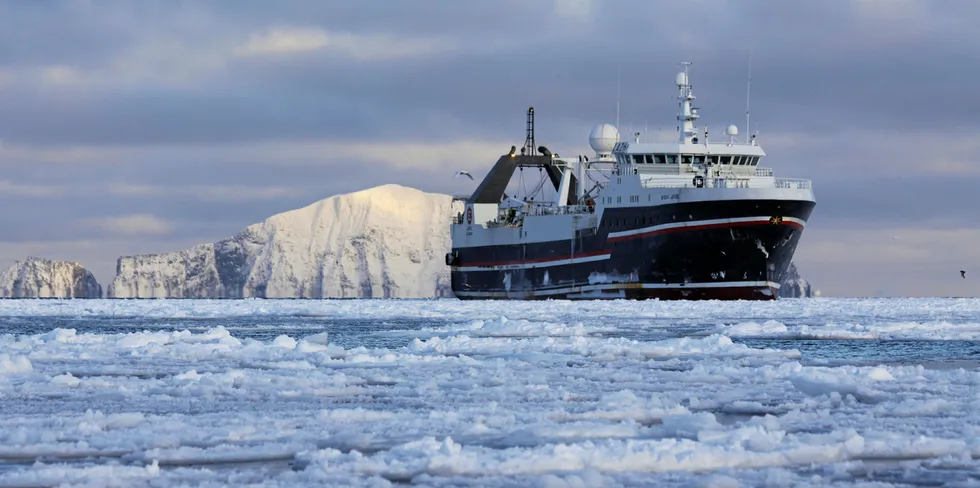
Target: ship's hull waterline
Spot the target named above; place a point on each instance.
(725, 250)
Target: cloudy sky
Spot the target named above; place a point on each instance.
(137, 127)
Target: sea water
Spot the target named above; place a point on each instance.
(448, 393)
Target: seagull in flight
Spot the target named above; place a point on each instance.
(962, 274)
(463, 173)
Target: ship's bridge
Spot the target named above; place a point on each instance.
(674, 158)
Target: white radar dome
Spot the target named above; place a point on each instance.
(603, 138)
(732, 130)
(681, 78)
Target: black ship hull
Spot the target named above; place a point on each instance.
(725, 250)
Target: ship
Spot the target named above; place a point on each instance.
(685, 219)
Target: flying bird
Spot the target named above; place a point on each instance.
(962, 274)
(463, 173)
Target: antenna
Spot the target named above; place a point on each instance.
(748, 93)
(619, 68)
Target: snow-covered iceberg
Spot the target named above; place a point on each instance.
(794, 286)
(387, 241)
(45, 278)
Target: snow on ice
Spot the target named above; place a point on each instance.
(487, 394)
(384, 242)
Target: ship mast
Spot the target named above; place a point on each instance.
(688, 113)
(528, 148)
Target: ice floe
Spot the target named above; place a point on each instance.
(491, 394)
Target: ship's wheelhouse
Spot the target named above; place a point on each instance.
(667, 159)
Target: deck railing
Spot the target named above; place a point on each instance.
(556, 210)
(793, 183)
(788, 183)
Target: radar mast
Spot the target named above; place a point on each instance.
(688, 113)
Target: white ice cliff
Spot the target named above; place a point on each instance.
(793, 286)
(45, 278)
(387, 241)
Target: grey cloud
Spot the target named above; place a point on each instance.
(811, 65)
(65, 214)
(856, 83)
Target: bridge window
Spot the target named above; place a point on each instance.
(648, 158)
(755, 161)
(638, 159)
(698, 159)
(737, 160)
(659, 159)
(671, 159)
(724, 160)
(686, 159)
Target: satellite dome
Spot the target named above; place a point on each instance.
(603, 138)
(681, 79)
(732, 130)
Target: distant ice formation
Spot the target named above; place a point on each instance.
(384, 242)
(793, 286)
(44, 278)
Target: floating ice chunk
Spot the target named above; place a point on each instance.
(768, 328)
(448, 458)
(896, 446)
(721, 481)
(690, 425)
(355, 415)
(321, 338)
(847, 331)
(143, 339)
(191, 375)
(284, 341)
(221, 453)
(97, 422)
(504, 327)
(306, 347)
(714, 345)
(815, 381)
(219, 337)
(588, 478)
(916, 408)
(10, 364)
(626, 405)
(880, 374)
(60, 335)
(65, 380)
(297, 365)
